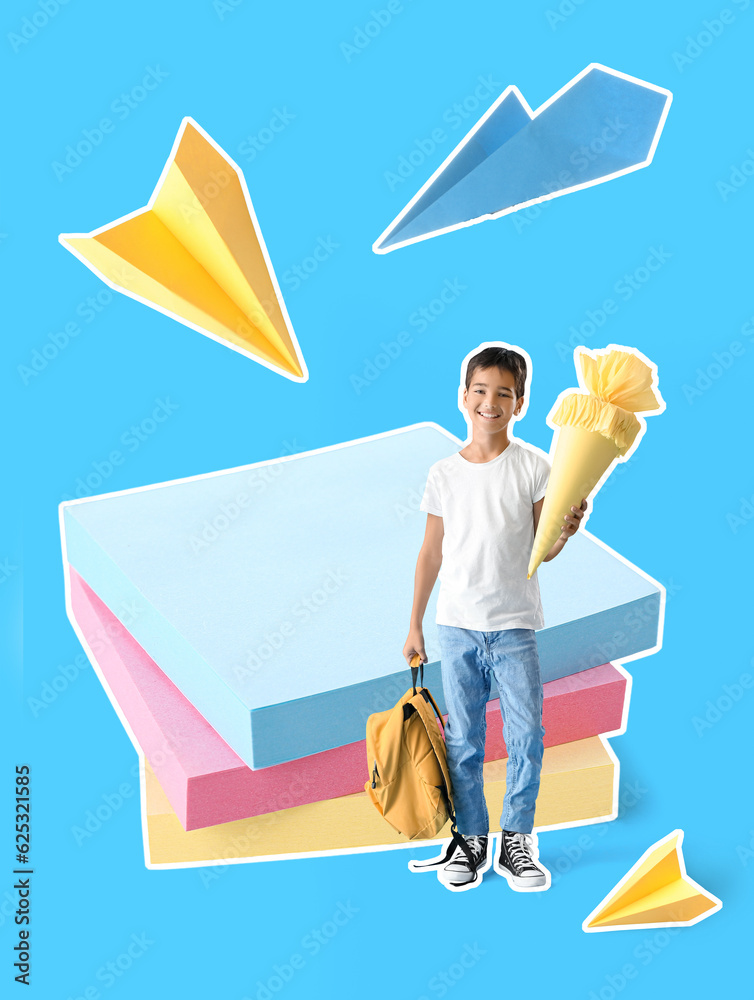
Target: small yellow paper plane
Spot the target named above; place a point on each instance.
(196, 254)
(656, 892)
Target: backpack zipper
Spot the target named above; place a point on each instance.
(375, 775)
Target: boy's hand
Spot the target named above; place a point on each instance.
(573, 520)
(415, 646)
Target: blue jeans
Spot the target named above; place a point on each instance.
(468, 660)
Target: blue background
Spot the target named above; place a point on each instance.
(681, 509)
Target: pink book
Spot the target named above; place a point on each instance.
(207, 783)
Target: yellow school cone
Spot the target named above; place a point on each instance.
(596, 426)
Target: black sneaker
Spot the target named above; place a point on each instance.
(461, 872)
(518, 862)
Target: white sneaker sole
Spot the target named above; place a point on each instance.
(538, 883)
(446, 878)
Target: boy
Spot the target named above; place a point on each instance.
(483, 505)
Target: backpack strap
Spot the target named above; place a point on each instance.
(456, 841)
(446, 789)
(428, 698)
(416, 671)
(409, 708)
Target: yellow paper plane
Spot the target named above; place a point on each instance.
(196, 253)
(656, 892)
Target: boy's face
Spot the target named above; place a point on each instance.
(491, 400)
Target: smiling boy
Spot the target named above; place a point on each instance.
(483, 505)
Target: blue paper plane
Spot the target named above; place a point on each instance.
(600, 125)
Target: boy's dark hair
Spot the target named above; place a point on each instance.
(499, 357)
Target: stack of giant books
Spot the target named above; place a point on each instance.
(245, 624)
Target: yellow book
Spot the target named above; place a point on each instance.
(196, 254)
(578, 785)
(656, 892)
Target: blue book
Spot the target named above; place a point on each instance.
(277, 596)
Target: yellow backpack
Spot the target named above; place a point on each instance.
(410, 783)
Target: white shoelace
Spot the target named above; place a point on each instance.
(519, 850)
(475, 845)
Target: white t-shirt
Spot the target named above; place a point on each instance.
(488, 534)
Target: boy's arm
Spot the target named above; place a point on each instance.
(427, 567)
(569, 528)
